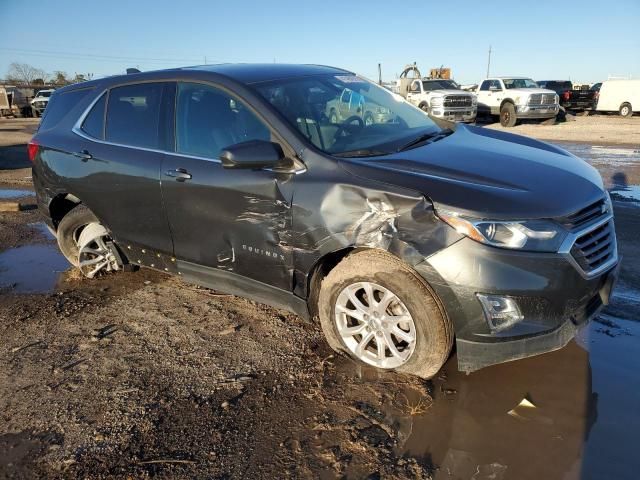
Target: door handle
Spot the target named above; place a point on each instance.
(84, 155)
(180, 174)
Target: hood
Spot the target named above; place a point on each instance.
(490, 174)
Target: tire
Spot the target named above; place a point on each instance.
(626, 110)
(333, 117)
(69, 230)
(433, 330)
(508, 115)
(425, 107)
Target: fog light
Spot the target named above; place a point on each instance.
(501, 313)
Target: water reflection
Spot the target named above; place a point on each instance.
(525, 419)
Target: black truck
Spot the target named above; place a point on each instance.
(402, 236)
(570, 99)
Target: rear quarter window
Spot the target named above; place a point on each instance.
(93, 124)
(60, 104)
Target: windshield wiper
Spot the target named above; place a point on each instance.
(431, 137)
(362, 152)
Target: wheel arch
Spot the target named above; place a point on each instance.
(61, 205)
(505, 101)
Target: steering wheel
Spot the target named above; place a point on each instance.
(345, 126)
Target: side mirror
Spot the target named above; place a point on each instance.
(252, 154)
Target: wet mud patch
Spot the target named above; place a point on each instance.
(31, 268)
(13, 193)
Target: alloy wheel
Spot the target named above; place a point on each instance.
(96, 252)
(375, 325)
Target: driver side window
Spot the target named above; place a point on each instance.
(208, 120)
(415, 87)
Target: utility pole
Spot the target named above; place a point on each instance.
(379, 74)
(489, 62)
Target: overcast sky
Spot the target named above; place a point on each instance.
(584, 40)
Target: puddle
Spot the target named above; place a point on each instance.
(31, 268)
(619, 167)
(8, 193)
(629, 193)
(42, 228)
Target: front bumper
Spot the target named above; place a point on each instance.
(537, 111)
(454, 114)
(554, 297)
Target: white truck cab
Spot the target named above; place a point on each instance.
(513, 98)
(442, 98)
(40, 101)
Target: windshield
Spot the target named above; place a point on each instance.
(430, 85)
(345, 113)
(44, 94)
(519, 83)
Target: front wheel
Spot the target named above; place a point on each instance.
(376, 309)
(626, 110)
(508, 115)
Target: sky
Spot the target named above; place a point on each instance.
(584, 41)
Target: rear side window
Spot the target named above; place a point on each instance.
(93, 124)
(59, 105)
(133, 115)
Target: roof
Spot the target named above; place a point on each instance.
(514, 77)
(265, 72)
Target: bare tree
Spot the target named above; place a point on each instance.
(60, 78)
(24, 73)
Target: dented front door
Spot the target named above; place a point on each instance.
(232, 220)
(227, 219)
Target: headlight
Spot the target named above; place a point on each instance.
(474, 100)
(436, 101)
(557, 99)
(532, 235)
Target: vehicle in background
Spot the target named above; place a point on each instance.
(40, 102)
(14, 101)
(622, 96)
(570, 98)
(443, 99)
(351, 104)
(515, 98)
(5, 105)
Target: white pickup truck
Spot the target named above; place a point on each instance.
(40, 102)
(444, 99)
(514, 98)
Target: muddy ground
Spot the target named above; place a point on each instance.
(140, 375)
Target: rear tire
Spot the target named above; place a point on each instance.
(431, 330)
(508, 115)
(87, 244)
(626, 110)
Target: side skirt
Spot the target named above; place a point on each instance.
(230, 282)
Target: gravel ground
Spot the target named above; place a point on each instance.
(594, 129)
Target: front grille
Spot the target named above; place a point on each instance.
(542, 99)
(586, 215)
(595, 248)
(457, 101)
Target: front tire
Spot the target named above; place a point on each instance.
(508, 115)
(626, 110)
(379, 311)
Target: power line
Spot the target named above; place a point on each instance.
(98, 57)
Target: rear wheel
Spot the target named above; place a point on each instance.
(508, 115)
(86, 243)
(376, 309)
(626, 110)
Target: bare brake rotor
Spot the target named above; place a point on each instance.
(96, 252)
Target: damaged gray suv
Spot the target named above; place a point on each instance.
(403, 237)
